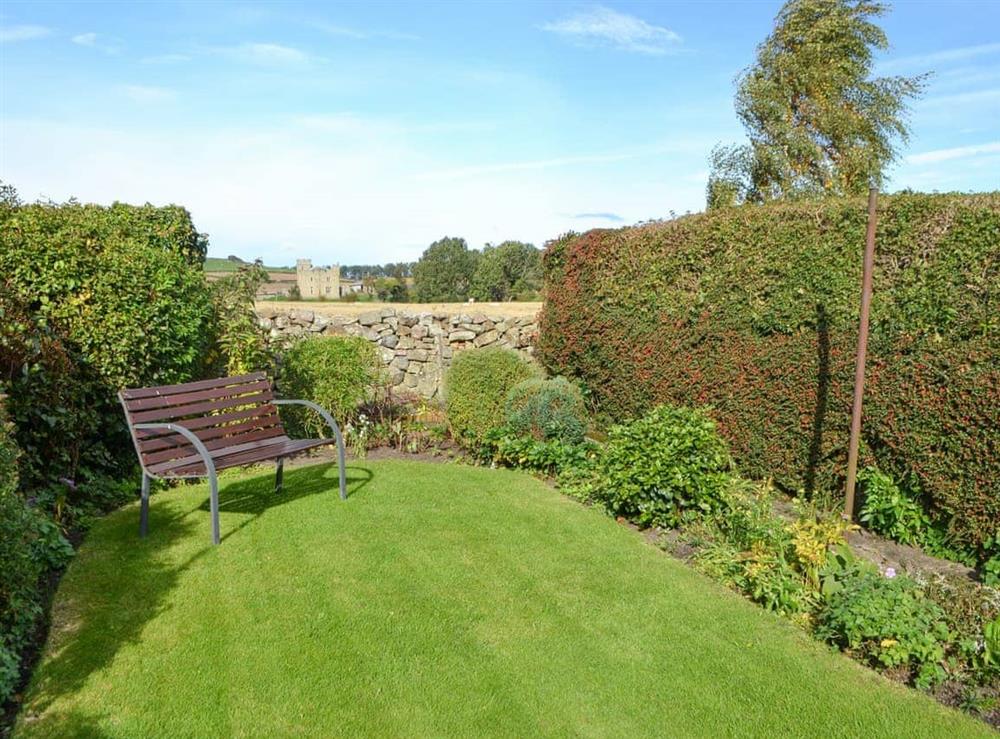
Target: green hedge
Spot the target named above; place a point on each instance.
(753, 311)
(92, 299)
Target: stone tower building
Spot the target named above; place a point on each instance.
(317, 282)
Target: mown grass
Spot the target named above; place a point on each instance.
(439, 600)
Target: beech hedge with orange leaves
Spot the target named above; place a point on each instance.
(754, 312)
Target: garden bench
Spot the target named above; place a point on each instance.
(197, 428)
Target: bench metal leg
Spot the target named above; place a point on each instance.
(144, 506)
(213, 488)
(279, 475)
(341, 464)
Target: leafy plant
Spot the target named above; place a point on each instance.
(883, 619)
(476, 388)
(336, 372)
(889, 511)
(508, 448)
(658, 466)
(241, 341)
(546, 409)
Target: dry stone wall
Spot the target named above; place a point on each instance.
(417, 348)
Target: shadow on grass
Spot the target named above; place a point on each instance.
(123, 583)
(256, 494)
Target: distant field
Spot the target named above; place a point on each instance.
(515, 310)
(218, 264)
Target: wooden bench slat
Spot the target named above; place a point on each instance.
(289, 448)
(217, 454)
(186, 449)
(200, 422)
(166, 401)
(186, 387)
(179, 411)
(212, 432)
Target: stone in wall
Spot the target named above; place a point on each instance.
(417, 349)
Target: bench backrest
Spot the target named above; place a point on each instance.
(222, 413)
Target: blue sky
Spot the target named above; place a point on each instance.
(362, 132)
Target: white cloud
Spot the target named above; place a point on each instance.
(148, 94)
(343, 192)
(609, 27)
(936, 57)
(93, 41)
(10, 34)
(958, 152)
(266, 54)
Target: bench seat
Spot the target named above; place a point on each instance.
(195, 429)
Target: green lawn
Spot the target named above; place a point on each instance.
(439, 600)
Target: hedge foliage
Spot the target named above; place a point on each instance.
(30, 545)
(92, 299)
(476, 389)
(753, 311)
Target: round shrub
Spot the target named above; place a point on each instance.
(663, 463)
(476, 390)
(547, 409)
(336, 372)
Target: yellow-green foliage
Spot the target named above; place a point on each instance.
(476, 390)
(336, 372)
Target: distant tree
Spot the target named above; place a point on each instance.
(816, 120)
(444, 272)
(391, 290)
(506, 271)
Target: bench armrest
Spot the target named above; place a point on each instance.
(187, 434)
(319, 409)
(336, 435)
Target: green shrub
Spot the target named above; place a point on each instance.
(476, 388)
(29, 545)
(663, 464)
(973, 615)
(546, 410)
(882, 619)
(94, 299)
(241, 342)
(336, 372)
(554, 456)
(889, 511)
(753, 310)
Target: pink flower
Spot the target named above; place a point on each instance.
(890, 572)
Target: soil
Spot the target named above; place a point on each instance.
(884, 553)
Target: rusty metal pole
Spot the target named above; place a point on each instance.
(859, 367)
